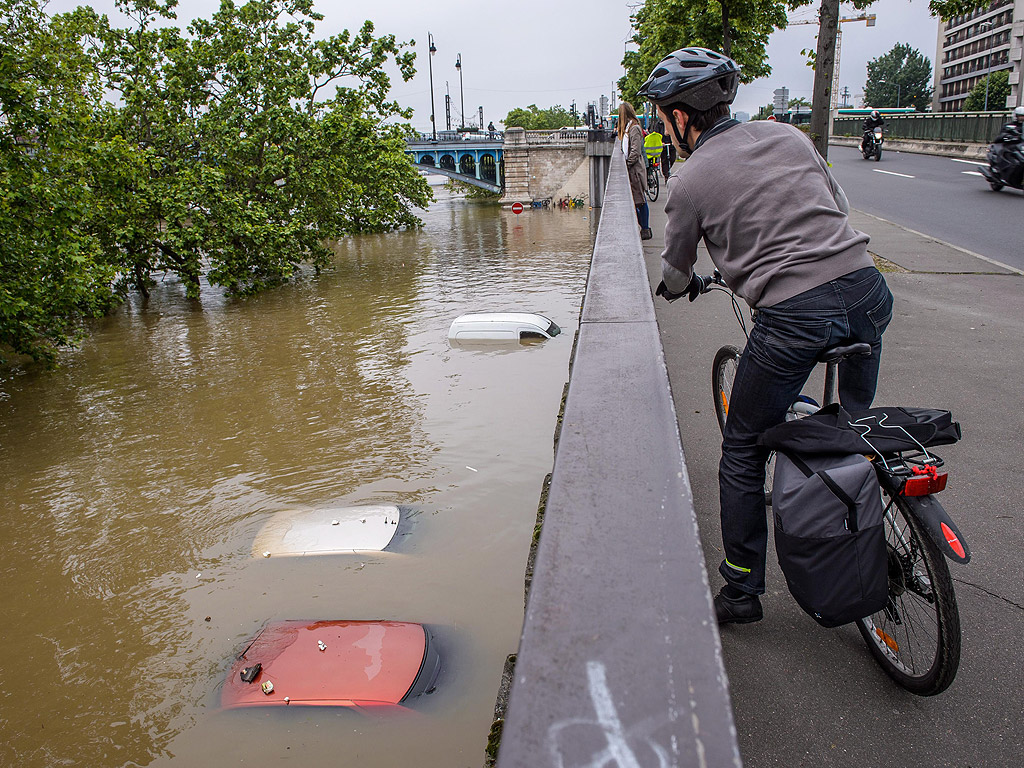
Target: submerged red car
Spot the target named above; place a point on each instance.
(333, 664)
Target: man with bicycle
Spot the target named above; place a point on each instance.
(775, 223)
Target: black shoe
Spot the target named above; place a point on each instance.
(737, 610)
(646, 234)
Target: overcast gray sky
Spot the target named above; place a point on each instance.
(546, 52)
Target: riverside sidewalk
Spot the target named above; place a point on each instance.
(807, 696)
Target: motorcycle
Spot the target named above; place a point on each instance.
(1005, 166)
(871, 146)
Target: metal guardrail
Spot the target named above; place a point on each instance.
(971, 127)
(620, 661)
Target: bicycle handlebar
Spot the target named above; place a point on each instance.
(710, 282)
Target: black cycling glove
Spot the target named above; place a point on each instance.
(664, 291)
(697, 286)
(694, 288)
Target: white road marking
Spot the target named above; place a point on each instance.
(969, 162)
(892, 173)
(972, 173)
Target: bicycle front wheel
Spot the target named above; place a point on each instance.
(653, 185)
(723, 374)
(916, 637)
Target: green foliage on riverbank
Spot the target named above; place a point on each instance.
(232, 151)
(533, 118)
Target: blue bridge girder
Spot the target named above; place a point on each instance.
(475, 161)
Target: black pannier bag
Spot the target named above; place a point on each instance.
(829, 535)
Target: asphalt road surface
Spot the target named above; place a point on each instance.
(947, 199)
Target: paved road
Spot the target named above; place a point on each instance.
(804, 696)
(943, 197)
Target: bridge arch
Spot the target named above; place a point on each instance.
(488, 168)
(477, 161)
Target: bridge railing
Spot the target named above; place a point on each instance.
(566, 137)
(620, 659)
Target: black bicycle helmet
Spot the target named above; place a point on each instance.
(696, 77)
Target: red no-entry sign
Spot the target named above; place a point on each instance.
(517, 208)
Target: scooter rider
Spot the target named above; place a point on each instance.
(775, 223)
(1013, 131)
(872, 121)
(1004, 156)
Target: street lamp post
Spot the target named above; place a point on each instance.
(987, 25)
(430, 66)
(462, 98)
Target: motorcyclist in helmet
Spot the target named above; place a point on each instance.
(1013, 131)
(775, 223)
(872, 121)
(1005, 164)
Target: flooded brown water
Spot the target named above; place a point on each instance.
(134, 479)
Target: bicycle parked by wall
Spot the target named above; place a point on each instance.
(916, 638)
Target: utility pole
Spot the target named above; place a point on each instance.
(462, 97)
(447, 106)
(846, 97)
(430, 63)
(826, 70)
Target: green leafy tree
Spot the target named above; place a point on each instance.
(998, 91)
(533, 118)
(737, 28)
(52, 274)
(899, 78)
(240, 164)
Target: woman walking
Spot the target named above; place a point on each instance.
(632, 139)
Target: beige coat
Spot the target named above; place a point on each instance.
(636, 162)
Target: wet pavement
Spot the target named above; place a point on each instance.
(808, 696)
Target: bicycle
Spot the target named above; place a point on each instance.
(916, 638)
(653, 184)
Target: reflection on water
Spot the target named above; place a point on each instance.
(134, 479)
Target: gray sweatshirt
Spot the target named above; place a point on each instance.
(772, 216)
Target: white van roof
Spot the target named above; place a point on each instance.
(502, 326)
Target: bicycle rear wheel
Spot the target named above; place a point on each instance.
(653, 185)
(916, 637)
(723, 374)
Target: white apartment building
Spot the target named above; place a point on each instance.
(988, 39)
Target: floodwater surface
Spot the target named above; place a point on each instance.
(134, 479)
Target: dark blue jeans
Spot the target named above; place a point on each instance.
(643, 215)
(780, 354)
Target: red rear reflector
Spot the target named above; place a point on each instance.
(952, 540)
(922, 485)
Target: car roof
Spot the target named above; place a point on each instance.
(328, 663)
(331, 530)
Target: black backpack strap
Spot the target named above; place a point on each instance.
(832, 485)
(843, 496)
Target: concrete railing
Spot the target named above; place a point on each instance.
(620, 662)
(567, 138)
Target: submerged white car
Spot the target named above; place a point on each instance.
(502, 326)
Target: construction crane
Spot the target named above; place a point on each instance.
(869, 18)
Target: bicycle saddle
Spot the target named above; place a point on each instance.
(835, 354)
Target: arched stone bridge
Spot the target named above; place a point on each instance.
(524, 166)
